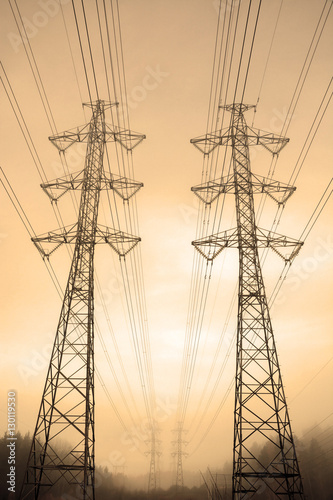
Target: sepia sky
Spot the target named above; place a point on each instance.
(168, 56)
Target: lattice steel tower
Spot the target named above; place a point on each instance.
(180, 453)
(67, 408)
(154, 456)
(261, 414)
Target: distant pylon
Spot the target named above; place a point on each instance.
(154, 455)
(261, 414)
(180, 453)
(67, 407)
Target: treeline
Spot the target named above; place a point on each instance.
(314, 454)
(107, 484)
(22, 448)
(315, 457)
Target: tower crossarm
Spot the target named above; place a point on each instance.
(121, 242)
(124, 187)
(209, 191)
(271, 187)
(224, 137)
(273, 142)
(210, 246)
(208, 142)
(185, 443)
(149, 452)
(127, 138)
(255, 137)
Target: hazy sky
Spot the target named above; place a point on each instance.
(168, 49)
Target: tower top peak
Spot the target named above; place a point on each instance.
(237, 107)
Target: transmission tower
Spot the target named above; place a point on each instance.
(179, 454)
(67, 407)
(261, 414)
(154, 455)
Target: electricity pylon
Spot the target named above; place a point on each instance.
(180, 453)
(67, 407)
(261, 413)
(154, 455)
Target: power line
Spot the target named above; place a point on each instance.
(311, 134)
(304, 71)
(200, 275)
(311, 222)
(311, 380)
(125, 281)
(81, 49)
(71, 52)
(23, 125)
(136, 261)
(89, 45)
(140, 339)
(242, 50)
(251, 50)
(317, 425)
(34, 67)
(317, 211)
(212, 102)
(267, 59)
(196, 298)
(16, 204)
(190, 358)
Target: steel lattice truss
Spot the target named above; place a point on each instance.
(180, 453)
(67, 409)
(154, 455)
(261, 413)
